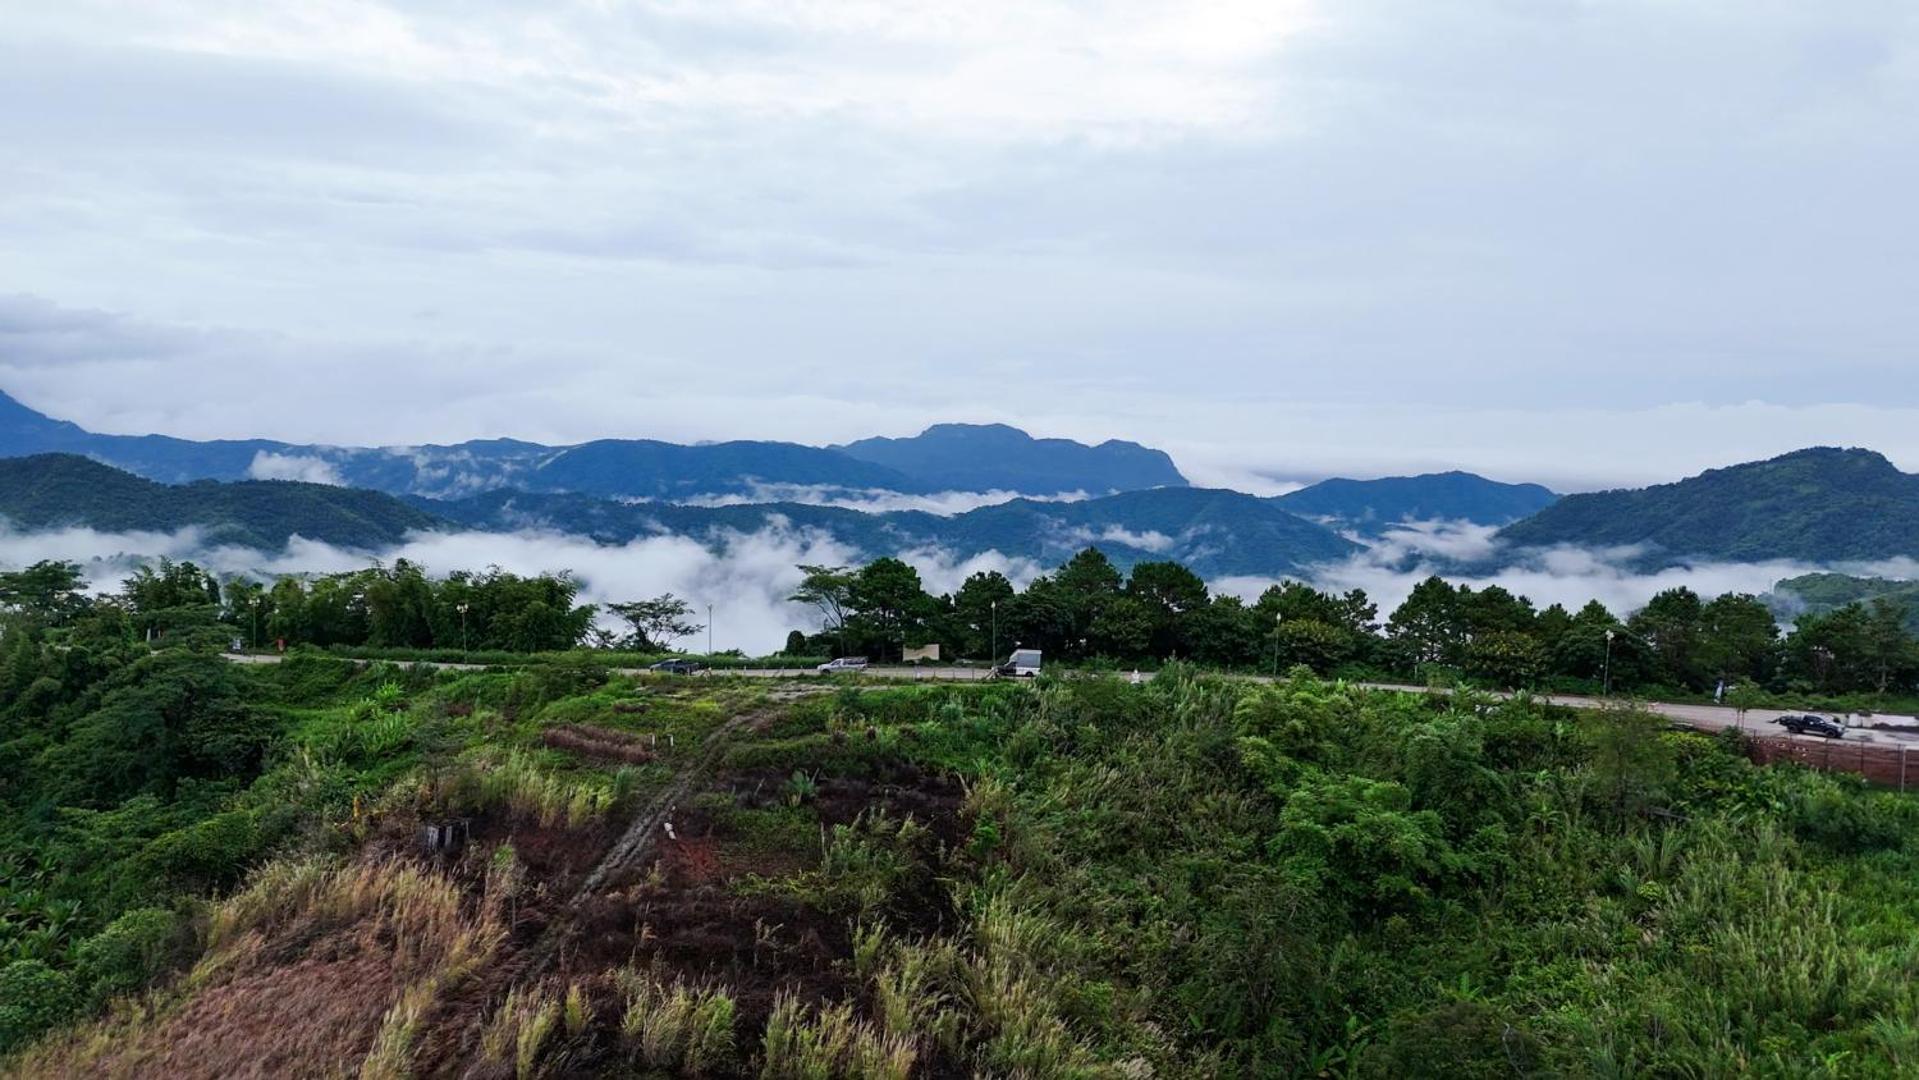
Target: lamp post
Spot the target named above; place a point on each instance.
(1609, 637)
(993, 657)
(709, 632)
(254, 603)
(463, 608)
(1278, 617)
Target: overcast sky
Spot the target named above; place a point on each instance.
(1585, 243)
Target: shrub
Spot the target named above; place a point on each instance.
(34, 998)
(135, 949)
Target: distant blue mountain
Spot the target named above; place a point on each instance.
(982, 457)
(1217, 533)
(946, 457)
(1369, 507)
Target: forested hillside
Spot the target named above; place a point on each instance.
(1215, 532)
(60, 490)
(1819, 594)
(1371, 506)
(1820, 505)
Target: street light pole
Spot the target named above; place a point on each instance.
(1609, 637)
(993, 657)
(462, 609)
(1277, 618)
(255, 604)
(709, 631)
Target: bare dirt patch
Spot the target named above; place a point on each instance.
(600, 742)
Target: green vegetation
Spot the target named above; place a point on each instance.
(1195, 877)
(1375, 506)
(1088, 612)
(59, 490)
(1817, 594)
(1822, 505)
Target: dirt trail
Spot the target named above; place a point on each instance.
(634, 845)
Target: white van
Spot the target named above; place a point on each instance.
(1023, 664)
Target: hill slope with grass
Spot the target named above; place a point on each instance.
(321, 868)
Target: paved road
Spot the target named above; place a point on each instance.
(1703, 717)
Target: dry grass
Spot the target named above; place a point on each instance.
(803, 1044)
(314, 968)
(598, 742)
(513, 782)
(679, 1029)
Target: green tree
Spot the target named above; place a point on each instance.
(1631, 763)
(656, 623)
(888, 603)
(1672, 623)
(53, 592)
(1430, 627)
(1739, 640)
(980, 601)
(828, 590)
(1172, 595)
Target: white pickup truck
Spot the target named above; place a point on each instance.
(842, 665)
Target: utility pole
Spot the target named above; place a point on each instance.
(993, 658)
(1609, 637)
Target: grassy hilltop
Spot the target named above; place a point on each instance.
(210, 871)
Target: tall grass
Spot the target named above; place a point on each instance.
(514, 782)
(678, 1028)
(815, 1044)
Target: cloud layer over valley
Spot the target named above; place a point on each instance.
(746, 577)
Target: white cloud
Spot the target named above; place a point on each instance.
(744, 577)
(872, 500)
(1284, 240)
(1570, 576)
(312, 470)
(1149, 540)
(992, 70)
(1461, 540)
(942, 572)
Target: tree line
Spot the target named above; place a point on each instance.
(1088, 610)
(390, 607)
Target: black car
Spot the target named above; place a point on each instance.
(678, 667)
(1812, 725)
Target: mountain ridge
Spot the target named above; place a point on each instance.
(945, 457)
(1371, 506)
(53, 491)
(1215, 532)
(1822, 504)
